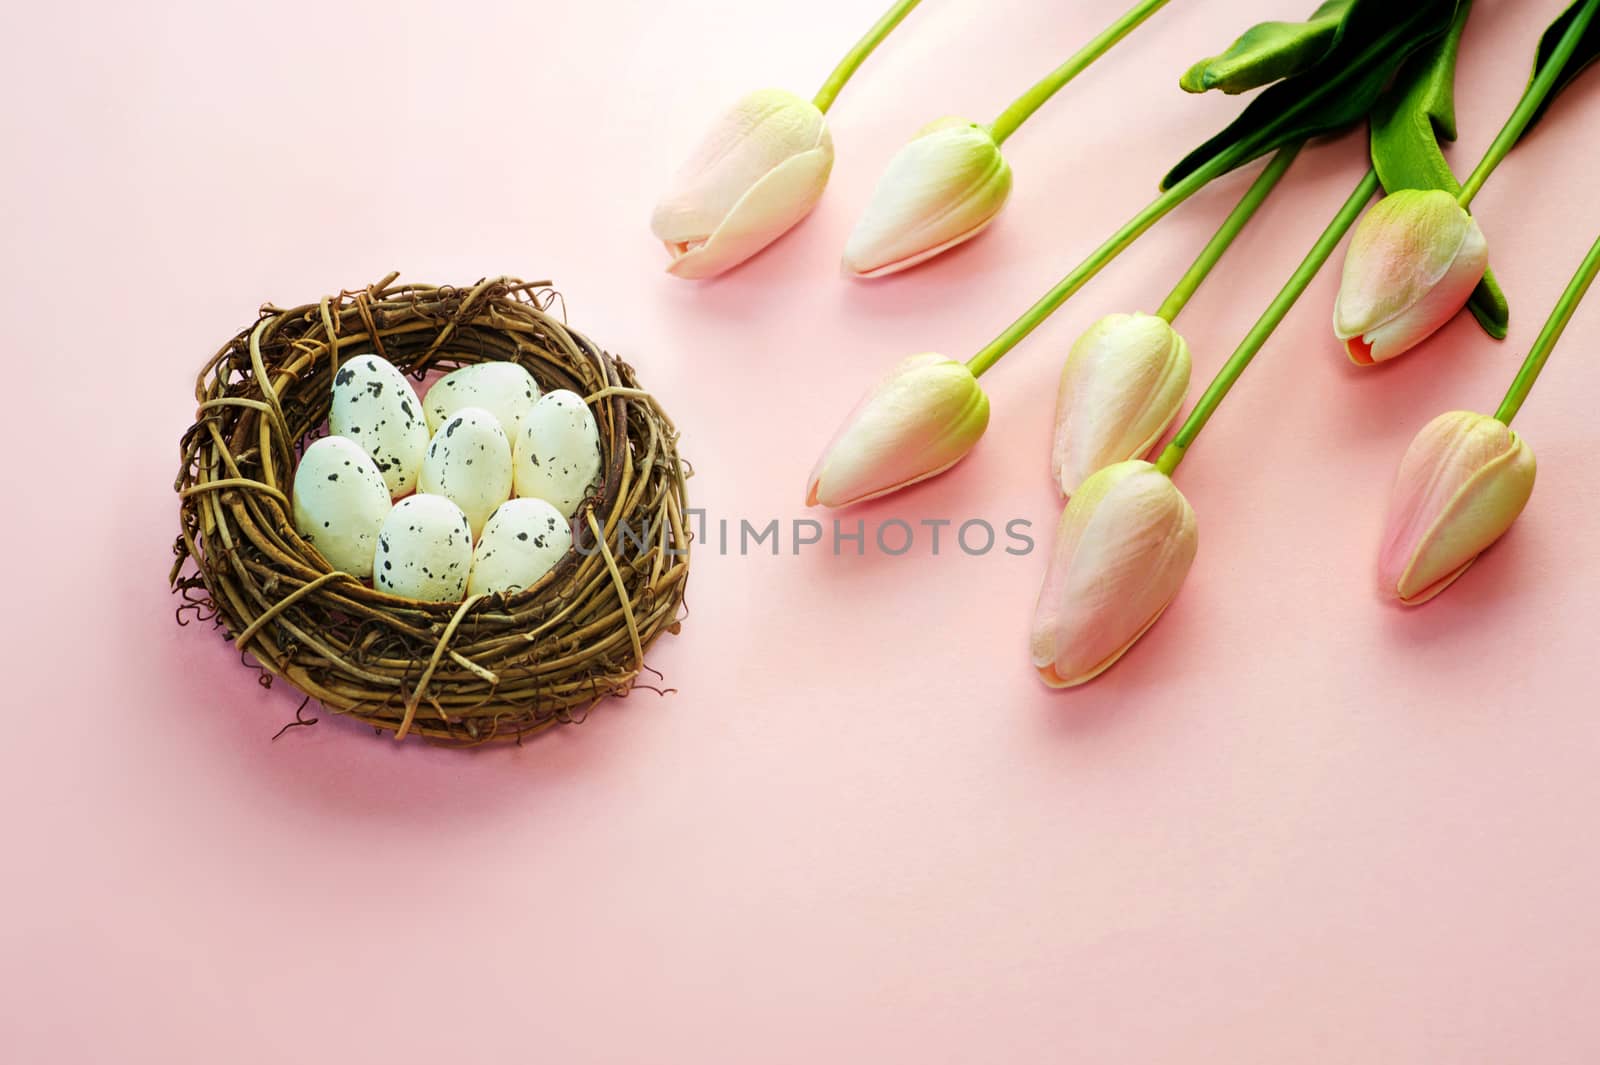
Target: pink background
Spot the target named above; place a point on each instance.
(1295, 824)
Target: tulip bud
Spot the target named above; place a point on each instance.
(1463, 481)
(1122, 385)
(758, 171)
(917, 422)
(1412, 265)
(939, 190)
(1124, 545)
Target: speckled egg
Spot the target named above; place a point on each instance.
(557, 453)
(377, 408)
(424, 550)
(521, 542)
(504, 389)
(340, 501)
(469, 463)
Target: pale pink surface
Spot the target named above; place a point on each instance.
(1293, 824)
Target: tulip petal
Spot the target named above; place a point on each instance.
(1417, 598)
(759, 170)
(1051, 675)
(1124, 545)
(1463, 482)
(771, 208)
(923, 256)
(1413, 261)
(943, 188)
(1398, 252)
(749, 140)
(917, 422)
(1435, 310)
(1122, 385)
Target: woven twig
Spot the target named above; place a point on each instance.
(498, 667)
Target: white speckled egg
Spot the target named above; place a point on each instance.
(469, 463)
(504, 389)
(521, 542)
(424, 550)
(340, 502)
(377, 408)
(557, 454)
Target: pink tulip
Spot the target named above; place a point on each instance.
(1124, 545)
(917, 422)
(759, 170)
(1413, 262)
(941, 189)
(1122, 385)
(1463, 481)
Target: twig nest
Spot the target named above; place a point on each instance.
(575, 585)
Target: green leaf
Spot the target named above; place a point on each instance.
(1408, 123)
(1268, 52)
(1378, 36)
(1587, 52)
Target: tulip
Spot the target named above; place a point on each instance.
(941, 189)
(1121, 387)
(946, 186)
(1463, 481)
(1123, 547)
(918, 421)
(1413, 262)
(1416, 258)
(1127, 536)
(760, 170)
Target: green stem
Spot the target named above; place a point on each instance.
(858, 55)
(1532, 97)
(1237, 219)
(1269, 321)
(1554, 326)
(993, 351)
(1029, 102)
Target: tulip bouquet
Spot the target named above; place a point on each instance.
(1467, 476)
(763, 166)
(1419, 257)
(1120, 389)
(1127, 536)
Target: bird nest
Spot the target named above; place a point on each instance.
(491, 667)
